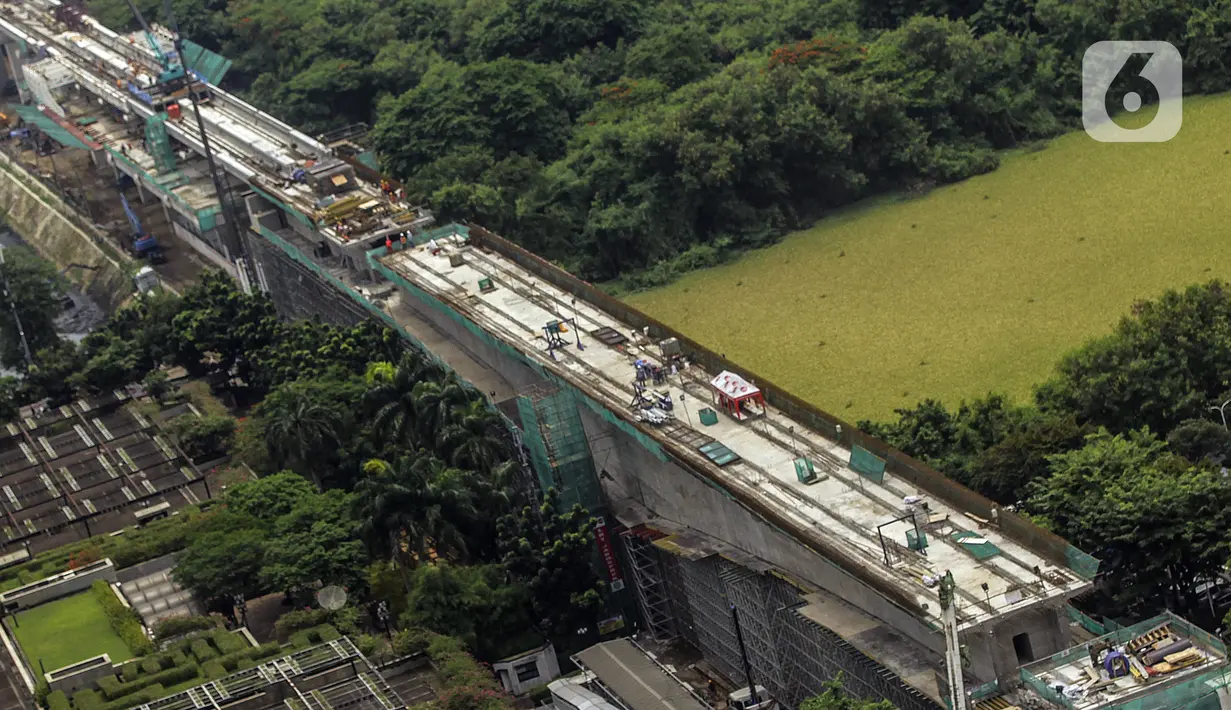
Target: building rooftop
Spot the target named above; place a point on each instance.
(640, 682)
(92, 460)
(331, 676)
(853, 519)
(1129, 667)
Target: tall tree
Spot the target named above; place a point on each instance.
(473, 603)
(224, 563)
(411, 505)
(391, 404)
(31, 299)
(835, 697)
(269, 497)
(1157, 522)
(314, 543)
(552, 552)
(302, 429)
(1162, 365)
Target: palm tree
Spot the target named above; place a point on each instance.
(411, 505)
(435, 400)
(391, 403)
(472, 438)
(301, 433)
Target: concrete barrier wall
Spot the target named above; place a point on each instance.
(60, 235)
(84, 674)
(60, 585)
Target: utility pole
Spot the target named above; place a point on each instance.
(743, 654)
(235, 244)
(21, 332)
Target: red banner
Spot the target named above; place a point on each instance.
(604, 548)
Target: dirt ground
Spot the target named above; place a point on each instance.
(71, 173)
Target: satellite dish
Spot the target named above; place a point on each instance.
(331, 597)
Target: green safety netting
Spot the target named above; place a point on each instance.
(369, 159)
(159, 143)
(36, 118)
(974, 543)
(867, 463)
(1081, 563)
(210, 66)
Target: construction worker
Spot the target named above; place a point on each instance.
(403, 241)
(388, 245)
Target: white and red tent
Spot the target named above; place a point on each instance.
(734, 394)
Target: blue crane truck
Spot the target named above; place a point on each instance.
(144, 246)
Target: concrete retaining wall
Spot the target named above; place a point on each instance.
(60, 235)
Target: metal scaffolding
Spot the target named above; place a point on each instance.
(749, 592)
(651, 585)
(558, 446)
(790, 655)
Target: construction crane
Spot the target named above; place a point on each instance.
(235, 242)
(172, 67)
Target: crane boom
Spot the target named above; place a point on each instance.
(171, 68)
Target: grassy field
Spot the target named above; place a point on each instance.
(977, 286)
(66, 631)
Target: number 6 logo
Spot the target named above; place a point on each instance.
(1101, 64)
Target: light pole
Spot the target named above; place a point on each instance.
(1222, 409)
(576, 327)
(382, 613)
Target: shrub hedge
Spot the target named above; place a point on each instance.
(136, 545)
(151, 665)
(213, 669)
(87, 699)
(180, 625)
(202, 650)
(227, 642)
(114, 690)
(57, 700)
(130, 671)
(124, 621)
(145, 695)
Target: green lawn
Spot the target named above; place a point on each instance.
(977, 286)
(66, 631)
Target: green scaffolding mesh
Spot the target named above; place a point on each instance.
(558, 445)
(867, 463)
(1086, 622)
(158, 143)
(36, 118)
(210, 66)
(1081, 563)
(208, 218)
